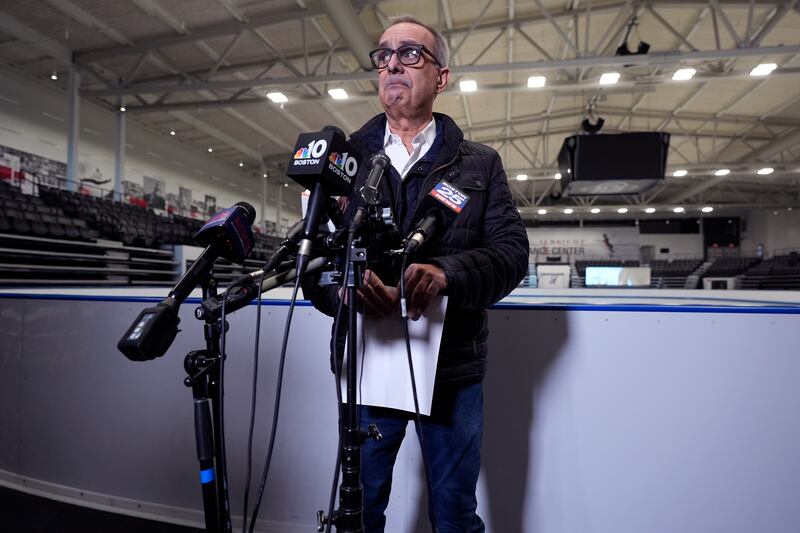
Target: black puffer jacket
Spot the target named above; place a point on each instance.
(484, 252)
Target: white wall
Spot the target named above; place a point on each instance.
(33, 118)
(773, 231)
(680, 246)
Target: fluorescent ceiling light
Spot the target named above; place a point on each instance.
(536, 81)
(568, 211)
(650, 210)
(766, 171)
(542, 211)
(54, 77)
(338, 94)
(678, 210)
(210, 149)
(764, 69)
(722, 172)
(609, 78)
(172, 132)
(557, 176)
(680, 173)
(522, 177)
(595, 210)
(280, 98)
(683, 74)
(468, 86)
(707, 209)
(122, 108)
(241, 164)
(622, 210)
(264, 174)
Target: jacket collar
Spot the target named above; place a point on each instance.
(369, 139)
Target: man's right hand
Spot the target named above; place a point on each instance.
(376, 298)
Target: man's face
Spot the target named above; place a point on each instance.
(409, 90)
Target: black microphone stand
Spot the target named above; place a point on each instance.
(203, 376)
(349, 518)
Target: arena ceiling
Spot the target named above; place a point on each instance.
(203, 68)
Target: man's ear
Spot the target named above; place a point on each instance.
(444, 79)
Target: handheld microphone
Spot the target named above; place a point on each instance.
(325, 163)
(227, 234)
(378, 164)
(369, 192)
(439, 206)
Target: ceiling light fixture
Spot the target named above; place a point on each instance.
(210, 149)
(172, 132)
(650, 210)
(683, 74)
(722, 172)
(622, 210)
(278, 98)
(468, 86)
(54, 76)
(122, 109)
(568, 211)
(534, 82)
(522, 177)
(241, 164)
(680, 173)
(338, 93)
(678, 210)
(594, 210)
(764, 69)
(557, 176)
(707, 209)
(542, 211)
(766, 171)
(609, 78)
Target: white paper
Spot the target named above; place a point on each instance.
(383, 373)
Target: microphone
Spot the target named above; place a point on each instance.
(325, 163)
(378, 164)
(247, 289)
(439, 206)
(229, 235)
(369, 192)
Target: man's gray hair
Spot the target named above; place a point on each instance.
(441, 51)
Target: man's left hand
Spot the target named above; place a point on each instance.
(423, 282)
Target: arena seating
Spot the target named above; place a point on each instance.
(672, 274)
(778, 273)
(62, 237)
(730, 267)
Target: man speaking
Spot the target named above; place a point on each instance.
(476, 260)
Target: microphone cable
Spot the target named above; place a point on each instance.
(249, 468)
(276, 410)
(404, 318)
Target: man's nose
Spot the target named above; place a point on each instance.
(394, 64)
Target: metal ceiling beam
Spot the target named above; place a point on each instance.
(207, 32)
(38, 41)
(658, 59)
(344, 18)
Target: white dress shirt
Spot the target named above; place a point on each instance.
(401, 160)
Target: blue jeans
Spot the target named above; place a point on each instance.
(452, 446)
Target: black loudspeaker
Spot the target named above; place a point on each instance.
(612, 164)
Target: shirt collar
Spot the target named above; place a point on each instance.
(426, 136)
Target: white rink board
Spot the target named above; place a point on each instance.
(604, 412)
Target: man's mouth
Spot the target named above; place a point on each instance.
(396, 81)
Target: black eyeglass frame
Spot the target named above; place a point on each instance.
(419, 47)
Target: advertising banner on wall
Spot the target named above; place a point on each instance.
(565, 245)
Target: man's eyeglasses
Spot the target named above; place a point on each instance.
(408, 55)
